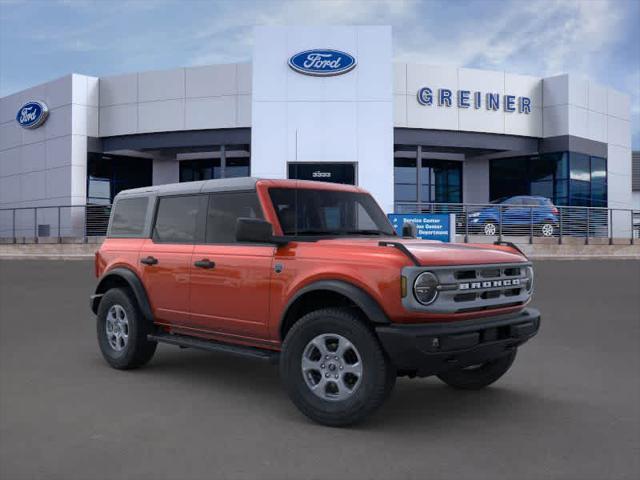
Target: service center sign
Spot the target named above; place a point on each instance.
(430, 226)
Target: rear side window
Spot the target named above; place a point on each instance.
(128, 217)
(225, 209)
(176, 219)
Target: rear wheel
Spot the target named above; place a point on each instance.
(479, 376)
(334, 368)
(122, 331)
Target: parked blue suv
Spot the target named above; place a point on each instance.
(518, 214)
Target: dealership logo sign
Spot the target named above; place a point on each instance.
(322, 62)
(32, 114)
(443, 97)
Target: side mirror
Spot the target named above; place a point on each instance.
(409, 230)
(254, 230)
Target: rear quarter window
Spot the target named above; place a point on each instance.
(129, 216)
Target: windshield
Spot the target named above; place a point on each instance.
(328, 212)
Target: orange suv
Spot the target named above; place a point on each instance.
(313, 276)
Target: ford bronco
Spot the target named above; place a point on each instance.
(310, 275)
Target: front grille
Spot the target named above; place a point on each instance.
(476, 288)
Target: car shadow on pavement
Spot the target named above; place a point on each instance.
(414, 403)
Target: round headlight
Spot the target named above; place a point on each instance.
(529, 284)
(425, 288)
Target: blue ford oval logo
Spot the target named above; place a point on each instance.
(322, 63)
(32, 114)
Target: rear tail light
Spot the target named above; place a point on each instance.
(555, 210)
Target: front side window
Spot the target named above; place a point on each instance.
(176, 219)
(129, 215)
(224, 211)
(308, 212)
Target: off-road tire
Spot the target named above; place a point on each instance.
(479, 376)
(378, 376)
(138, 350)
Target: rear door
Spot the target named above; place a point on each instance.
(166, 257)
(229, 280)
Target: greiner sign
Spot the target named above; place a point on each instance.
(443, 97)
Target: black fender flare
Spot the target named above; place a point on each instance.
(359, 297)
(133, 282)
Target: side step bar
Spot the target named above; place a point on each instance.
(212, 345)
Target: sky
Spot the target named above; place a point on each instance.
(44, 39)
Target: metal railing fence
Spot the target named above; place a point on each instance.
(55, 222)
(536, 221)
(530, 221)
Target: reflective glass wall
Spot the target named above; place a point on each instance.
(225, 161)
(567, 178)
(425, 180)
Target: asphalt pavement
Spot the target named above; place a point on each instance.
(568, 409)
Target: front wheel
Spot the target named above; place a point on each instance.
(490, 229)
(547, 229)
(334, 368)
(479, 376)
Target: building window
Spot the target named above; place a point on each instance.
(566, 178)
(425, 180)
(108, 175)
(225, 161)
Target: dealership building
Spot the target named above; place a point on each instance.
(320, 103)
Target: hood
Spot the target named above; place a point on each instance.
(434, 253)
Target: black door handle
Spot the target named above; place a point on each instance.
(205, 263)
(149, 260)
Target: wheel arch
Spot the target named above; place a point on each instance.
(122, 277)
(328, 293)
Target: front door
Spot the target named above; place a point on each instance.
(166, 257)
(230, 281)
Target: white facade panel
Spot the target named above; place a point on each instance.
(244, 76)
(298, 117)
(10, 136)
(524, 125)
(214, 112)
(555, 90)
(118, 89)
(32, 186)
(211, 81)
(59, 122)
(578, 121)
(597, 126)
(118, 120)
(524, 85)
(618, 104)
(31, 135)
(243, 109)
(399, 78)
(555, 121)
(400, 110)
(161, 85)
(59, 152)
(618, 132)
(32, 157)
(164, 116)
(10, 162)
(597, 98)
(58, 183)
(578, 91)
(58, 92)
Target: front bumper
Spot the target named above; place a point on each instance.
(429, 349)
